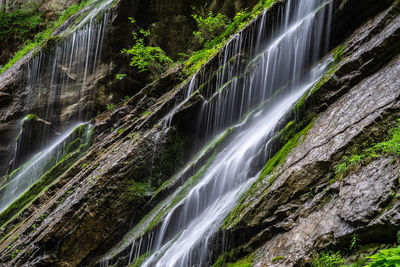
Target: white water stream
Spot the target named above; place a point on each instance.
(42, 162)
(58, 92)
(281, 69)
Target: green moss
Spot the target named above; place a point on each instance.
(281, 155)
(29, 117)
(120, 131)
(140, 260)
(391, 146)
(42, 37)
(338, 55)
(70, 154)
(145, 114)
(245, 262)
(38, 187)
(278, 258)
(213, 46)
(192, 181)
(269, 167)
(137, 189)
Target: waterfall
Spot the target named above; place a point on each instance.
(58, 93)
(280, 71)
(76, 139)
(59, 76)
(58, 79)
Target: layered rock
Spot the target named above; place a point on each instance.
(296, 211)
(292, 213)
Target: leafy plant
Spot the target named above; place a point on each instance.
(385, 258)
(120, 76)
(214, 31)
(19, 24)
(209, 26)
(354, 240)
(145, 57)
(27, 25)
(15, 253)
(110, 106)
(328, 259)
(390, 146)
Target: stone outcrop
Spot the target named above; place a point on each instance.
(290, 215)
(302, 212)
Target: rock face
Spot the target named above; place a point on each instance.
(286, 218)
(33, 129)
(301, 212)
(47, 11)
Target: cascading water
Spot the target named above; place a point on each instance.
(58, 80)
(281, 71)
(36, 167)
(59, 92)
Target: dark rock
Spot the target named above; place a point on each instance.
(34, 131)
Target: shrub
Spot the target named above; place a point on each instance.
(145, 57)
(110, 106)
(385, 258)
(328, 259)
(19, 24)
(30, 22)
(209, 26)
(120, 76)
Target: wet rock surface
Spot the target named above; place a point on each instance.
(90, 207)
(301, 212)
(332, 216)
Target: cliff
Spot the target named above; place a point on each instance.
(281, 149)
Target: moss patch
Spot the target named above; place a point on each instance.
(269, 167)
(244, 262)
(41, 38)
(391, 146)
(51, 170)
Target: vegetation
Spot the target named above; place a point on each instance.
(110, 106)
(390, 146)
(120, 131)
(120, 76)
(385, 258)
(20, 24)
(277, 259)
(269, 167)
(70, 154)
(245, 262)
(26, 21)
(145, 57)
(211, 24)
(328, 259)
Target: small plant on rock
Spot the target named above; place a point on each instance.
(328, 259)
(385, 258)
(110, 106)
(209, 26)
(146, 57)
(120, 76)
